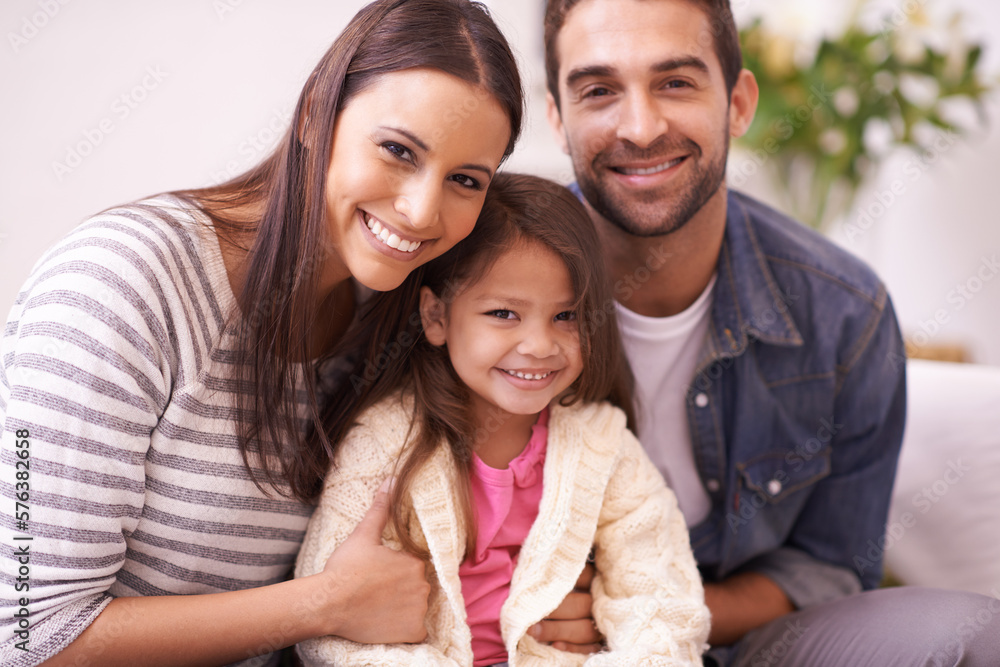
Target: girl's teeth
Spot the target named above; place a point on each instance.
(529, 376)
(387, 237)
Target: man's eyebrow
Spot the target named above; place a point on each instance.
(681, 63)
(669, 65)
(587, 72)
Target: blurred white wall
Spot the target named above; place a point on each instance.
(109, 100)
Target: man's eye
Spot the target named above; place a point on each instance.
(597, 91)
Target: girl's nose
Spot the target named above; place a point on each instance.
(538, 342)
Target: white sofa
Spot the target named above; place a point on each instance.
(944, 522)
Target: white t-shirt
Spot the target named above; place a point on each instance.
(664, 354)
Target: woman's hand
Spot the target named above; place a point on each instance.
(382, 592)
(571, 626)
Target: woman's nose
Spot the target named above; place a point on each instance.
(420, 204)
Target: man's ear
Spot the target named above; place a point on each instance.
(555, 122)
(743, 103)
(433, 316)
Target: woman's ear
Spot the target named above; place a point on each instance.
(433, 316)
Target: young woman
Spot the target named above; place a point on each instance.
(498, 423)
(166, 365)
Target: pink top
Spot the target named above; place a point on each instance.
(506, 504)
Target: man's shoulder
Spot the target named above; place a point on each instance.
(790, 246)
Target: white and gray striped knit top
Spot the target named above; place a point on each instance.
(116, 369)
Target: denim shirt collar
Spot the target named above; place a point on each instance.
(748, 302)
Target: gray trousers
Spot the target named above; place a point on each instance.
(892, 627)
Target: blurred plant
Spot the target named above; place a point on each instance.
(827, 115)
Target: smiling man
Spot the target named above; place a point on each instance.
(768, 361)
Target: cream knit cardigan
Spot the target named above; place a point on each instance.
(600, 489)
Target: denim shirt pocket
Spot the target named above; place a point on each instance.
(777, 475)
(771, 491)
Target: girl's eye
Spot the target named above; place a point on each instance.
(566, 316)
(502, 314)
(467, 182)
(398, 151)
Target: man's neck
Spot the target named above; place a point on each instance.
(660, 276)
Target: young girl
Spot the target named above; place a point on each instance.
(509, 460)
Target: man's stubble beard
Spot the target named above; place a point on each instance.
(654, 217)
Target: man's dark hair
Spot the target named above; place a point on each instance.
(725, 39)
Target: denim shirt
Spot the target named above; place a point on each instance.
(796, 411)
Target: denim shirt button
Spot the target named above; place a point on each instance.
(712, 485)
(701, 400)
(774, 487)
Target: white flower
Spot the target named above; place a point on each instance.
(846, 102)
(884, 82)
(878, 136)
(832, 141)
(922, 91)
(908, 47)
(805, 23)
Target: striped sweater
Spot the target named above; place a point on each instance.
(117, 371)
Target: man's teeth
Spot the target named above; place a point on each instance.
(651, 170)
(388, 238)
(528, 376)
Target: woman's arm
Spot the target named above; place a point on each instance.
(366, 593)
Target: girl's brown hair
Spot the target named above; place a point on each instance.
(277, 300)
(519, 209)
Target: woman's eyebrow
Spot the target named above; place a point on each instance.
(409, 135)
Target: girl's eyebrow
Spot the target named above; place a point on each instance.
(505, 299)
(518, 303)
(423, 146)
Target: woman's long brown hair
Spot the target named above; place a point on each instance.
(519, 209)
(277, 300)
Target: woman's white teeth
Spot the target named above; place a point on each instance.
(388, 238)
(528, 376)
(651, 170)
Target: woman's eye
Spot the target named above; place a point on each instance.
(502, 314)
(398, 150)
(467, 182)
(566, 316)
